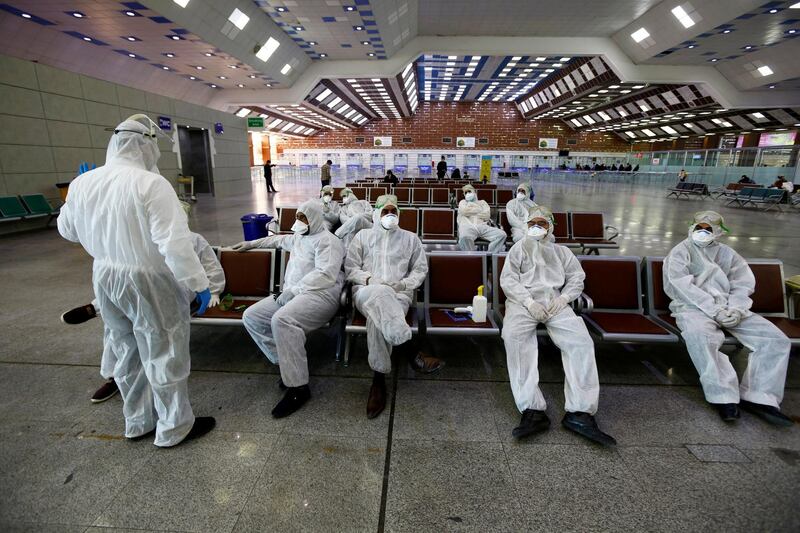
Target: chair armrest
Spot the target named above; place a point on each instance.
(614, 231)
(793, 299)
(584, 304)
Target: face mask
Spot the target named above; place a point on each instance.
(389, 221)
(348, 199)
(521, 196)
(537, 233)
(470, 196)
(702, 237)
(326, 198)
(299, 227)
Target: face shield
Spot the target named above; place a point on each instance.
(135, 140)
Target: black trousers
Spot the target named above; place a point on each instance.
(270, 186)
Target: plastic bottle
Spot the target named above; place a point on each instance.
(479, 306)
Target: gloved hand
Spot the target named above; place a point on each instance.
(396, 286)
(84, 167)
(243, 246)
(285, 297)
(558, 304)
(214, 300)
(729, 318)
(203, 297)
(374, 281)
(537, 311)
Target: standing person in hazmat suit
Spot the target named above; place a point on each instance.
(710, 286)
(540, 279)
(129, 219)
(386, 264)
(354, 215)
(309, 298)
(517, 211)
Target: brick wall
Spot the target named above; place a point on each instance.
(499, 122)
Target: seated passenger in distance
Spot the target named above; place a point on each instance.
(517, 211)
(473, 223)
(710, 286)
(309, 298)
(540, 279)
(330, 208)
(354, 215)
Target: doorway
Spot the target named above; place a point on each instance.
(196, 158)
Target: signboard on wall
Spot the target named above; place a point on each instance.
(354, 161)
(218, 129)
(783, 138)
(548, 143)
(655, 161)
(465, 142)
(382, 142)
(165, 123)
(486, 167)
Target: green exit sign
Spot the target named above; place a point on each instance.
(255, 122)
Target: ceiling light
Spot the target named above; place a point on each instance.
(130, 13)
(131, 38)
(87, 39)
(252, 76)
(170, 54)
(266, 51)
(132, 55)
(349, 8)
(213, 86)
(165, 68)
(358, 28)
(286, 68)
(669, 130)
(795, 6)
(714, 60)
(640, 35)
(323, 55)
(77, 14)
(638, 87)
(791, 32)
(239, 19)
(312, 43)
(365, 42)
(757, 115)
(192, 78)
(683, 17)
(181, 3)
(773, 11)
(175, 37)
(371, 54)
(726, 31)
(691, 46)
(771, 86)
(764, 70)
(298, 28)
(223, 77)
(243, 112)
(748, 47)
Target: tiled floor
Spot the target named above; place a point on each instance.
(452, 464)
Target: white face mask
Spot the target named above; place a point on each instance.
(348, 199)
(537, 233)
(470, 196)
(299, 227)
(702, 237)
(389, 221)
(521, 196)
(326, 198)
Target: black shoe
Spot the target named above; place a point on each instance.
(771, 414)
(293, 400)
(281, 386)
(585, 425)
(532, 422)
(729, 412)
(79, 315)
(108, 390)
(376, 401)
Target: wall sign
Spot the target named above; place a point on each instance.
(165, 123)
(465, 142)
(255, 122)
(218, 129)
(382, 141)
(548, 143)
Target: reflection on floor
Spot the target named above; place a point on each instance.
(452, 465)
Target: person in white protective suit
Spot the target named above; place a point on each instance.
(355, 215)
(309, 299)
(145, 272)
(330, 208)
(710, 286)
(473, 223)
(517, 211)
(540, 279)
(386, 264)
(83, 313)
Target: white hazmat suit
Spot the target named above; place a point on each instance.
(355, 215)
(704, 282)
(330, 209)
(517, 212)
(145, 271)
(542, 277)
(385, 267)
(473, 223)
(313, 283)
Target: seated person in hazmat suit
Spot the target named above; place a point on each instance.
(309, 299)
(354, 215)
(386, 264)
(517, 211)
(710, 286)
(79, 315)
(540, 279)
(330, 208)
(473, 223)
(145, 273)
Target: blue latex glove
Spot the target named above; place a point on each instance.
(84, 167)
(203, 298)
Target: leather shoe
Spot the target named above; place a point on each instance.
(376, 402)
(769, 413)
(532, 422)
(585, 425)
(729, 412)
(293, 400)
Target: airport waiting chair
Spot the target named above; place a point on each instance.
(453, 280)
(38, 206)
(440, 196)
(249, 278)
(403, 195)
(11, 209)
(409, 219)
(769, 298)
(360, 192)
(286, 218)
(589, 230)
(376, 192)
(562, 231)
(438, 226)
(503, 196)
(766, 199)
(420, 196)
(612, 301)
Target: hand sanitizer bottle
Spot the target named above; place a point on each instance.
(479, 306)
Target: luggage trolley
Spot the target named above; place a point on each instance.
(183, 181)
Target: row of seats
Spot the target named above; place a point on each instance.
(758, 197)
(686, 189)
(429, 196)
(632, 309)
(582, 231)
(25, 207)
